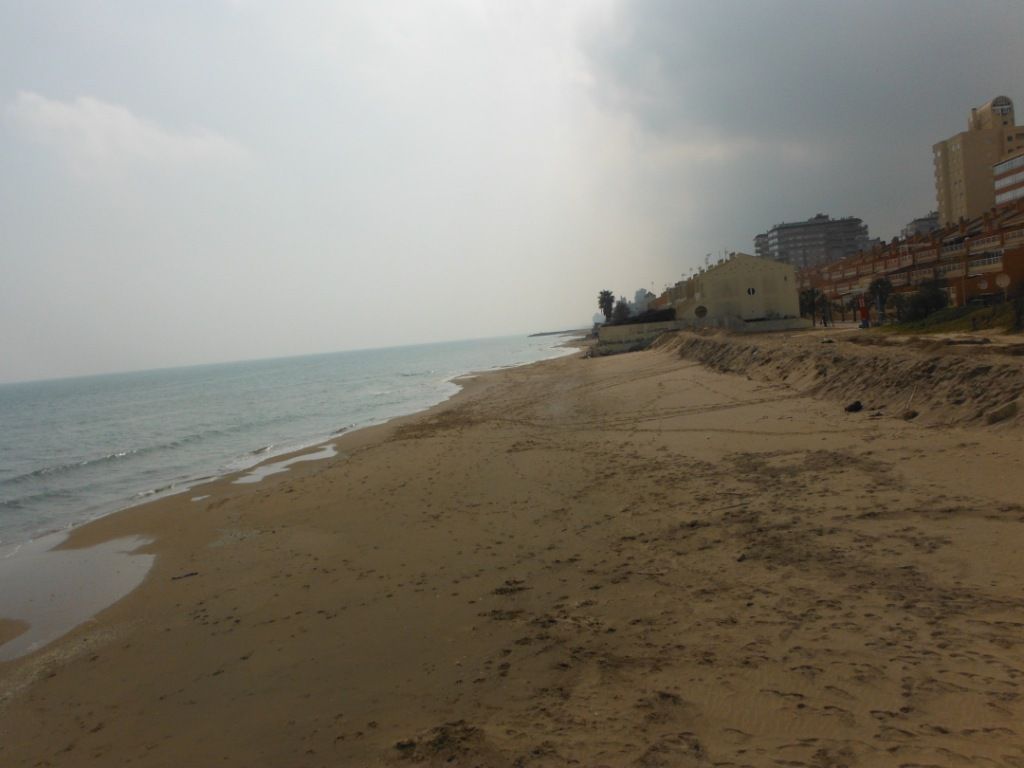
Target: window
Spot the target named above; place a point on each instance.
(1013, 194)
(1007, 181)
(987, 261)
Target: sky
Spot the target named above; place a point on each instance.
(210, 180)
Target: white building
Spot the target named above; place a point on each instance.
(739, 293)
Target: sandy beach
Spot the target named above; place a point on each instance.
(647, 559)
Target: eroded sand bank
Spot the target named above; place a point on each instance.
(620, 561)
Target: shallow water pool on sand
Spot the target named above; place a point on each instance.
(257, 473)
(54, 590)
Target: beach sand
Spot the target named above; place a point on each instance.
(631, 560)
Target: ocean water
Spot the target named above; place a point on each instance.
(74, 449)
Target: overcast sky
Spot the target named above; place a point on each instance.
(208, 180)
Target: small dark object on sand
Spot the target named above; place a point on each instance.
(855, 406)
(909, 414)
(185, 575)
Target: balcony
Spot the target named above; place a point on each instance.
(921, 275)
(952, 249)
(990, 263)
(1015, 236)
(926, 257)
(985, 244)
(899, 280)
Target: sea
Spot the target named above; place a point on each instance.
(74, 449)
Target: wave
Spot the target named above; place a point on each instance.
(155, 491)
(57, 469)
(78, 466)
(24, 502)
(130, 453)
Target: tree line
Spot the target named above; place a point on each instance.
(930, 297)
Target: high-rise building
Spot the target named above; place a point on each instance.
(923, 225)
(761, 245)
(819, 240)
(963, 163)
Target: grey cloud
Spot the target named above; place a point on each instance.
(796, 68)
(865, 88)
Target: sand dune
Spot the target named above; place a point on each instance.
(630, 560)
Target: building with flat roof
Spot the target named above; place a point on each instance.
(964, 162)
(923, 225)
(819, 240)
(979, 260)
(740, 292)
(761, 246)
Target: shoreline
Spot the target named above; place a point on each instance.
(239, 463)
(48, 578)
(343, 444)
(623, 560)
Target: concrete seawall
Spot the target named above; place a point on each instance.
(622, 338)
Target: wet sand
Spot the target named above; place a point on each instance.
(49, 589)
(630, 560)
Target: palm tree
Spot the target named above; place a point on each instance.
(606, 301)
(808, 303)
(621, 311)
(880, 289)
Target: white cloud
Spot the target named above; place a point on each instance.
(94, 135)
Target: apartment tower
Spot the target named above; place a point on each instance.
(963, 163)
(819, 240)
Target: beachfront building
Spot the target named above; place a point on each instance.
(975, 260)
(819, 240)
(761, 246)
(923, 225)
(738, 293)
(1008, 179)
(964, 162)
(641, 302)
(741, 293)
